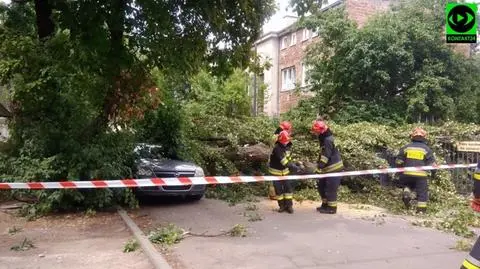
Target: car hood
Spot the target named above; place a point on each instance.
(168, 165)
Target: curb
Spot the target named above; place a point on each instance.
(155, 258)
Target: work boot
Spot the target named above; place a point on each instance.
(328, 210)
(421, 207)
(407, 197)
(281, 205)
(421, 210)
(289, 206)
(323, 205)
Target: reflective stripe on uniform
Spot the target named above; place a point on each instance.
(476, 176)
(472, 260)
(332, 204)
(288, 196)
(280, 197)
(277, 172)
(333, 167)
(468, 265)
(422, 204)
(324, 159)
(415, 153)
(284, 161)
(416, 173)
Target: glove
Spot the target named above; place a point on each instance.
(476, 205)
(292, 167)
(301, 165)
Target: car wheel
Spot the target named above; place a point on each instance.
(195, 197)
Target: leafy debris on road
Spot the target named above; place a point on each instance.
(463, 245)
(130, 246)
(171, 234)
(168, 235)
(238, 230)
(251, 207)
(13, 230)
(25, 245)
(253, 216)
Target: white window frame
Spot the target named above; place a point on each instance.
(288, 78)
(284, 44)
(293, 39)
(305, 34)
(305, 69)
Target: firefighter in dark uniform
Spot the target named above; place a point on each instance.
(417, 153)
(330, 161)
(281, 164)
(284, 126)
(472, 261)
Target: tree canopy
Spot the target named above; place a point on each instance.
(398, 63)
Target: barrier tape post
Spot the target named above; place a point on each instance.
(180, 181)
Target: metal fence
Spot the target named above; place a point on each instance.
(462, 178)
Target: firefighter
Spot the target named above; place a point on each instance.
(329, 161)
(284, 126)
(281, 164)
(472, 261)
(417, 153)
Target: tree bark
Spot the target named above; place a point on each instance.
(45, 25)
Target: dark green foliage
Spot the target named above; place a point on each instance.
(79, 90)
(395, 68)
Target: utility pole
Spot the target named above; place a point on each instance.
(255, 85)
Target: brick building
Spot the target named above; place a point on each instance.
(285, 48)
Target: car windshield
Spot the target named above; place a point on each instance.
(149, 152)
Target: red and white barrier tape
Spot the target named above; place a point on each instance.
(179, 181)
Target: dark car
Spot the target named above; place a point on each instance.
(150, 163)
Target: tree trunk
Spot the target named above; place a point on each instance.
(43, 11)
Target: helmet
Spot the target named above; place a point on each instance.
(286, 126)
(319, 127)
(418, 132)
(283, 137)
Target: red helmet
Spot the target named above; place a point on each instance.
(418, 132)
(319, 127)
(286, 126)
(283, 137)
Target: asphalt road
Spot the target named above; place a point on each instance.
(351, 239)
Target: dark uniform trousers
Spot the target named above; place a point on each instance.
(327, 188)
(417, 153)
(330, 162)
(284, 191)
(417, 184)
(472, 261)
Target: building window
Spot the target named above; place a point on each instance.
(306, 34)
(305, 77)
(294, 39)
(285, 42)
(314, 33)
(288, 78)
